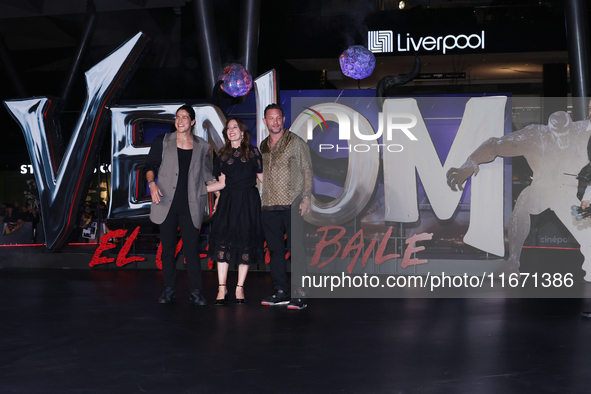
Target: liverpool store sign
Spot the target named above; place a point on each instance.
(382, 41)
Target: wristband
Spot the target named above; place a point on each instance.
(149, 183)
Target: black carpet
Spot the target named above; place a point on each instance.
(93, 331)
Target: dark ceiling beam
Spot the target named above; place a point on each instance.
(249, 34)
(90, 25)
(577, 35)
(209, 51)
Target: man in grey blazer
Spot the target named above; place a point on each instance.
(182, 163)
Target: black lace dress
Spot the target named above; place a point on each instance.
(236, 232)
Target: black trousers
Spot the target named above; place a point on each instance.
(190, 236)
(275, 225)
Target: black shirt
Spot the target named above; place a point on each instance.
(180, 201)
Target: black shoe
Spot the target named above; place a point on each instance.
(221, 301)
(240, 301)
(297, 303)
(168, 295)
(197, 298)
(280, 297)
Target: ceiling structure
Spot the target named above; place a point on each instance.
(40, 26)
(41, 37)
(498, 68)
(31, 8)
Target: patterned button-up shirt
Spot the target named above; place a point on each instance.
(284, 167)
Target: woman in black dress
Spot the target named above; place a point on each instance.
(236, 232)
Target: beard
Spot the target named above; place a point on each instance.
(274, 132)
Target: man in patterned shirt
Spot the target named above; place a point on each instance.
(287, 185)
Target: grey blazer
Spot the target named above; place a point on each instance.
(200, 173)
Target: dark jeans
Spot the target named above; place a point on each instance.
(275, 225)
(190, 236)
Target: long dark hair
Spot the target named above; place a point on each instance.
(226, 150)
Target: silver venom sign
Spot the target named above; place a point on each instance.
(62, 180)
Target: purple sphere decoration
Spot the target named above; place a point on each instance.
(237, 81)
(357, 62)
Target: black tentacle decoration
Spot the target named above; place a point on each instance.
(389, 82)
